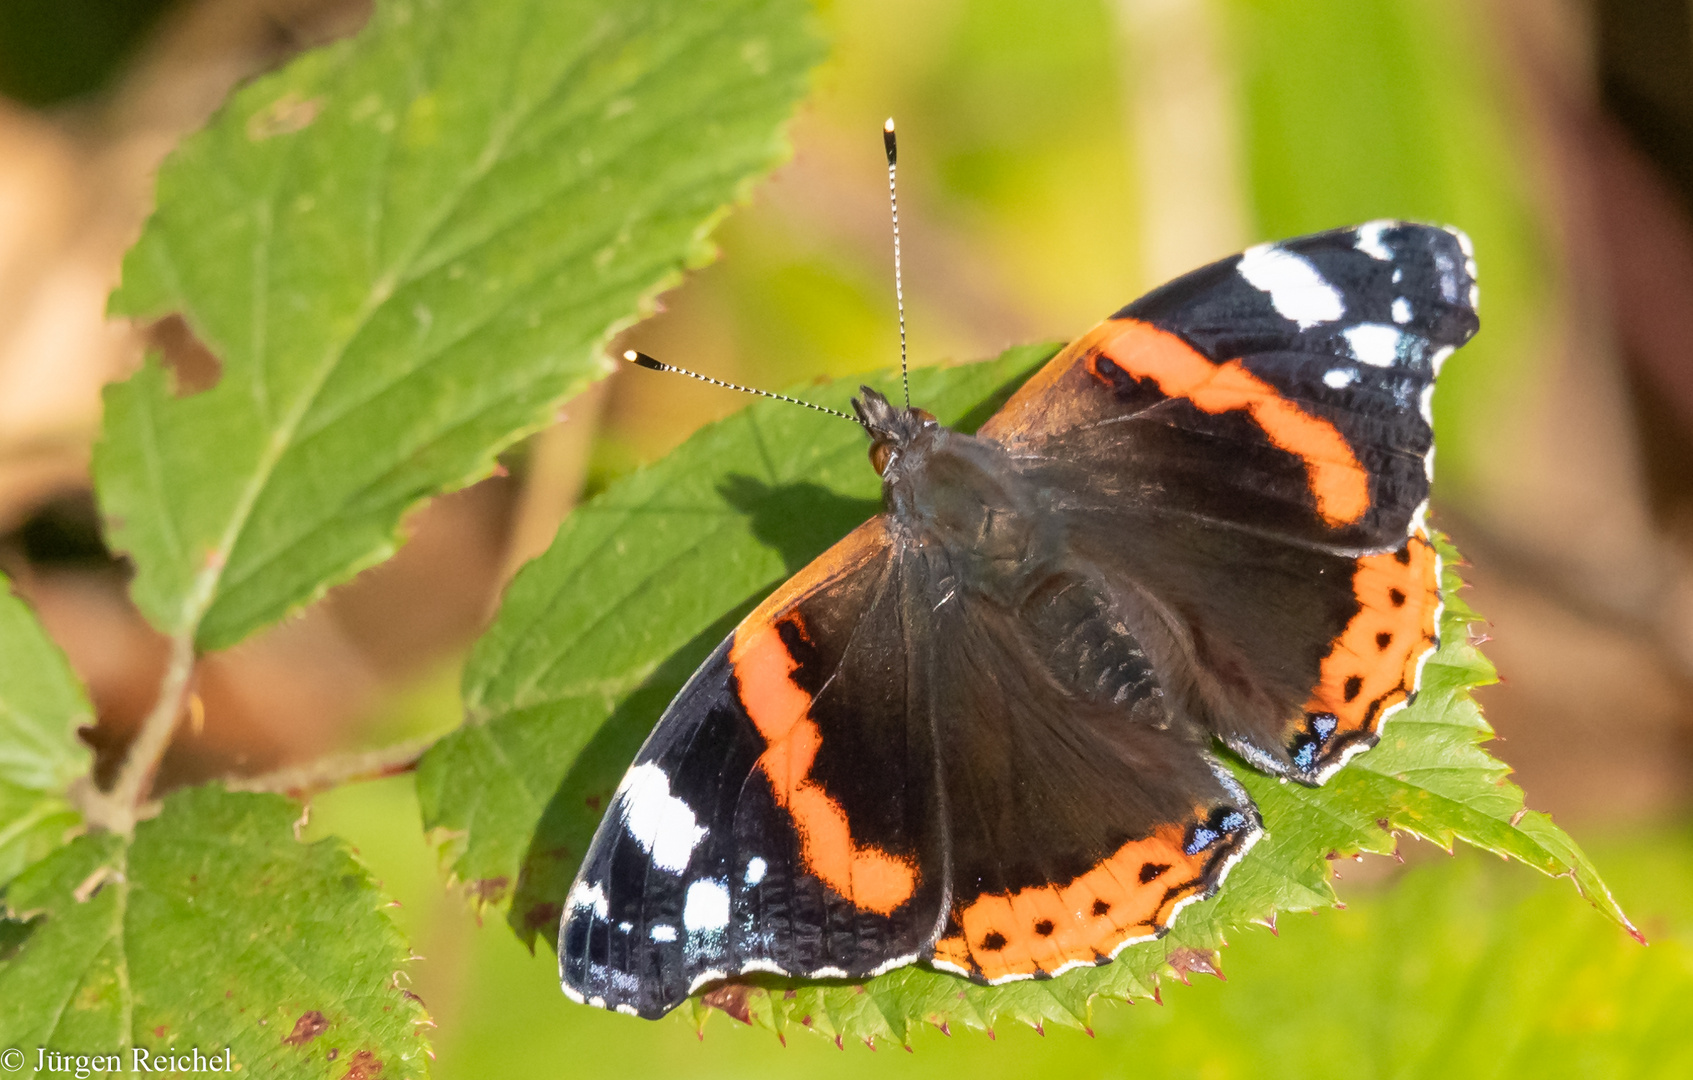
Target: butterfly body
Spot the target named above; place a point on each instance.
(960, 505)
(980, 731)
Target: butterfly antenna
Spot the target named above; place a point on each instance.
(892, 148)
(641, 359)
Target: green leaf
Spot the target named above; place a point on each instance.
(641, 583)
(213, 928)
(405, 249)
(41, 706)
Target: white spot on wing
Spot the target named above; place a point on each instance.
(755, 871)
(658, 821)
(704, 977)
(1439, 357)
(707, 906)
(896, 962)
(1069, 966)
(761, 964)
(1464, 243)
(1013, 977)
(1339, 378)
(1376, 344)
(662, 932)
(1369, 240)
(586, 897)
(1401, 310)
(1447, 273)
(627, 1009)
(1427, 403)
(1296, 288)
(1126, 942)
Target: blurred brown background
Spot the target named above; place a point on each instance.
(1042, 187)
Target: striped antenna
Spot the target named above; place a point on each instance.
(892, 148)
(641, 359)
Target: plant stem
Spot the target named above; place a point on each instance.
(328, 772)
(141, 762)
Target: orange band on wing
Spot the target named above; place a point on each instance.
(1373, 664)
(1341, 485)
(871, 878)
(1130, 896)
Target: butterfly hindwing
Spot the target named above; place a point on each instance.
(1080, 816)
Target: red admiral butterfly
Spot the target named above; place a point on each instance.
(977, 732)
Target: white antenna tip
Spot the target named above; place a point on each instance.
(630, 355)
(889, 126)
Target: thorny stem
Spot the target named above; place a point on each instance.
(337, 769)
(126, 803)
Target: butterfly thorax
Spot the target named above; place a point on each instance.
(961, 502)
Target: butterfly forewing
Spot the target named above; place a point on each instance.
(728, 849)
(1249, 448)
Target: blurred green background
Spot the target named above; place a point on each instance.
(1056, 161)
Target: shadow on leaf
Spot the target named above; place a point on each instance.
(799, 521)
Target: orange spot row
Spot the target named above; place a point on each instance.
(1131, 895)
(1372, 665)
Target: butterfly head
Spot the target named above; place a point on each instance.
(892, 429)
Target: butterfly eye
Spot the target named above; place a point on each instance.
(881, 452)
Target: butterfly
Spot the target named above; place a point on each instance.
(980, 732)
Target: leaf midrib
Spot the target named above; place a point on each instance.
(204, 585)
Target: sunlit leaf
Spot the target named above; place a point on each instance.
(405, 249)
(214, 928)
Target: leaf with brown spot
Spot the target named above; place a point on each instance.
(357, 236)
(730, 998)
(487, 891)
(183, 915)
(363, 1065)
(1183, 962)
(308, 1027)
